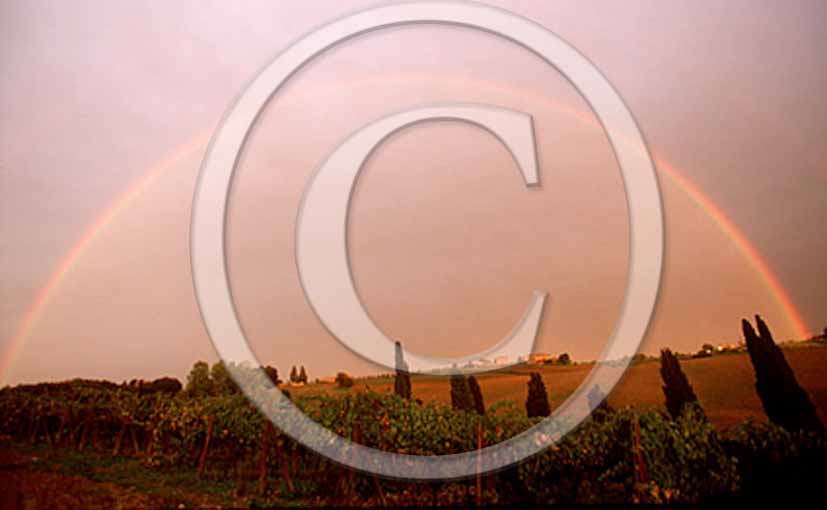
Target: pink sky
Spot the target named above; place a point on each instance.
(94, 94)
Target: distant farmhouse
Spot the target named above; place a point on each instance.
(540, 357)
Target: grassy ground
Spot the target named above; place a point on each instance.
(39, 476)
(725, 384)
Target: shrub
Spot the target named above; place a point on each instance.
(168, 385)
(272, 374)
(775, 464)
(537, 402)
(683, 461)
(344, 380)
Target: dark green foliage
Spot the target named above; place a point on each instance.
(476, 394)
(302, 378)
(344, 380)
(684, 459)
(222, 381)
(564, 359)
(461, 397)
(676, 387)
(687, 460)
(402, 381)
(775, 465)
(294, 375)
(537, 402)
(402, 384)
(199, 383)
(784, 400)
(168, 385)
(272, 374)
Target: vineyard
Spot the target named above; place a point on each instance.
(615, 457)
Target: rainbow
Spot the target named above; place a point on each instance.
(199, 142)
(121, 203)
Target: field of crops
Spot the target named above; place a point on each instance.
(725, 384)
(626, 455)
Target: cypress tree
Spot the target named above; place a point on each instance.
(537, 402)
(598, 402)
(676, 387)
(402, 381)
(272, 374)
(785, 401)
(476, 395)
(294, 376)
(302, 375)
(461, 398)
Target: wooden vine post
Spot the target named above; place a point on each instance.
(479, 462)
(202, 462)
(265, 447)
(351, 489)
(641, 473)
(135, 447)
(285, 472)
(84, 433)
(64, 418)
(119, 440)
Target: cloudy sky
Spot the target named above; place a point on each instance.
(106, 109)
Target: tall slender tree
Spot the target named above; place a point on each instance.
(785, 401)
(476, 395)
(294, 375)
(461, 397)
(598, 402)
(303, 375)
(676, 387)
(402, 381)
(537, 402)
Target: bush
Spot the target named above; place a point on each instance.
(683, 462)
(168, 385)
(272, 374)
(344, 380)
(775, 464)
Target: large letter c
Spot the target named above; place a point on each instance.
(321, 236)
